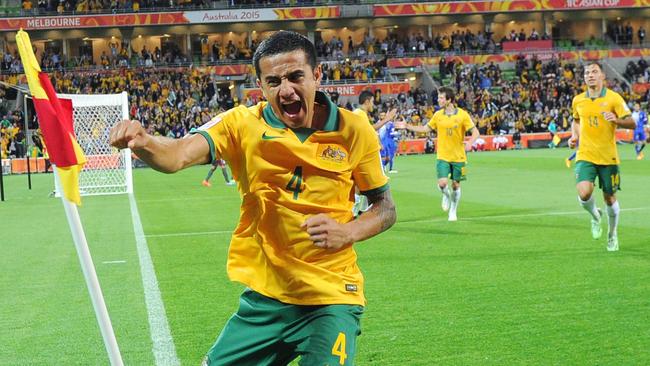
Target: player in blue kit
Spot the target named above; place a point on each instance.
(641, 119)
(388, 137)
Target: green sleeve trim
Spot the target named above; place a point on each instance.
(213, 151)
(376, 191)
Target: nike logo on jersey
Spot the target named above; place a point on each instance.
(267, 137)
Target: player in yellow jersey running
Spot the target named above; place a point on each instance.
(296, 159)
(597, 113)
(451, 124)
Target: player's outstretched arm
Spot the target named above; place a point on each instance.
(327, 233)
(389, 117)
(424, 128)
(161, 153)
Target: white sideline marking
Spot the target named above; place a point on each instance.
(478, 218)
(441, 219)
(190, 234)
(113, 262)
(221, 197)
(164, 350)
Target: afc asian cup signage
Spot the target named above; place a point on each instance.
(592, 3)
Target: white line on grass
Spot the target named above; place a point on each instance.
(220, 197)
(441, 219)
(113, 262)
(478, 218)
(190, 234)
(164, 350)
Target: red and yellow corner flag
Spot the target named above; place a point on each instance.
(55, 120)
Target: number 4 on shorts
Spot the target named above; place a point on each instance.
(339, 348)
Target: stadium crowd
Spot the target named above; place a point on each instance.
(527, 101)
(620, 32)
(368, 50)
(623, 34)
(460, 41)
(638, 71)
(171, 101)
(35, 7)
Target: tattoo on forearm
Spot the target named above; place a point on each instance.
(384, 207)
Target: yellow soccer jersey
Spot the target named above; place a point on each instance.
(598, 136)
(451, 134)
(284, 177)
(361, 113)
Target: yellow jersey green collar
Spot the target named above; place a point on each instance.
(603, 91)
(444, 111)
(332, 123)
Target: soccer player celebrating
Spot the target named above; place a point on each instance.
(218, 163)
(450, 123)
(296, 159)
(597, 113)
(641, 119)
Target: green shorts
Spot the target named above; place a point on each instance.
(265, 331)
(609, 178)
(454, 170)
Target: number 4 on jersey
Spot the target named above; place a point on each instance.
(295, 183)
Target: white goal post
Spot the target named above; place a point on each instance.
(107, 170)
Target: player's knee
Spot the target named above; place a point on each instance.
(584, 195)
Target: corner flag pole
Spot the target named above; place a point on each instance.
(90, 275)
(2, 185)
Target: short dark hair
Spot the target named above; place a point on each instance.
(365, 95)
(594, 62)
(448, 92)
(284, 42)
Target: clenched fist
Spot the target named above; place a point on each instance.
(129, 134)
(326, 232)
(609, 116)
(573, 141)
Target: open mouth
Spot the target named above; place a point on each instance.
(292, 109)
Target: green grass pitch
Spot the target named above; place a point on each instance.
(516, 281)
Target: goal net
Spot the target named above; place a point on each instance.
(107, 170)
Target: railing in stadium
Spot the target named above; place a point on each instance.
(133, 63)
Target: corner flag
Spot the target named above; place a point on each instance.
(55, 120)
